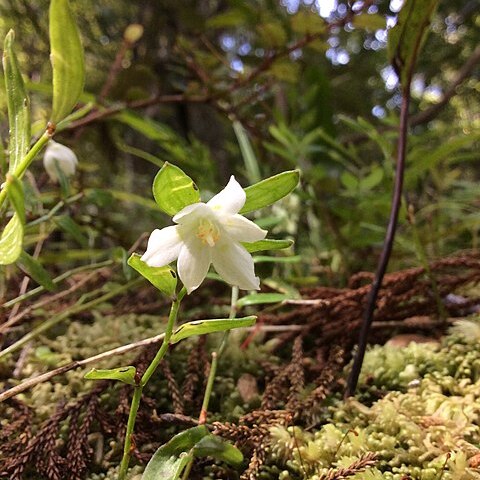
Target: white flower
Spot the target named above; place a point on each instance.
(209, 233)
(58, 156)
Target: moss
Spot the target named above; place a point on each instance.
(427, 424)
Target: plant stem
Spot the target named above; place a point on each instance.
(387, 248)
(202, 419)
(26, 161)
(137, 394)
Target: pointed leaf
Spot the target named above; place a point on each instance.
(67, 224)
(216, 447)
(67, 59)
(267, 259)
(173, 189)
(33, 268)
(270, 190)
(170, 459)
(405, 39)
(369, 21)
(18, 105)
(267, 244)
(202, 327)
(261, 298)
(11, 241)
(121, 374)
(163, 278)
(249, 158)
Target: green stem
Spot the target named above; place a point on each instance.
(215, 356)
(137, 394)
(26, 161)
(202, 419)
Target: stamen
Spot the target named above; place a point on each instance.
(208, 233)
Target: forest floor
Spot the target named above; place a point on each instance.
(278, 394)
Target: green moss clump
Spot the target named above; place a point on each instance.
(426, 426)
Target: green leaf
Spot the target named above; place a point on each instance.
(270, 190)
(260, 298)
(216, 447)
(405, 39)
(308, 23)
(11, 241)
(18, 105)
(163, 278)
(173, 189)
(33, 268)
(349, 181)
(267, 244)
(170, 459)
(67, 224)
(146, 126)
(16, 197)
(121, 374)
(369, 21)
(372, 179)
(230, 18)
(267, 259)
(272, 33)
(202, 327)
(249, 158)
(67, 59)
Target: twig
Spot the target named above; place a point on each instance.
(386, 251)
(463, 73)
(41, 303)
(31, 382)
(56, 280)
(77, 308)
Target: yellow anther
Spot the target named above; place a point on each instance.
(208, 233)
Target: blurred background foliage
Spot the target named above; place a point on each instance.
(306, 85)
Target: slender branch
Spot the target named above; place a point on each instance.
(77, 308)
(41, 303)
(44, 377)
(60, 278)
(387, 247)
(462, 75)
(31, 382)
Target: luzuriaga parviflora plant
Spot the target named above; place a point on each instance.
(213, 233)
(59, 160)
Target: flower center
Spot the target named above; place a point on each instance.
(208, 232)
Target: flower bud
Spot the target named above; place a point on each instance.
(59, 157)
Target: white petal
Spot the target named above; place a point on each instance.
(235, 265)
(230, 200)
(241, 229)
(58, 156)
(189, 212)
(163, 247)
(193, 264)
